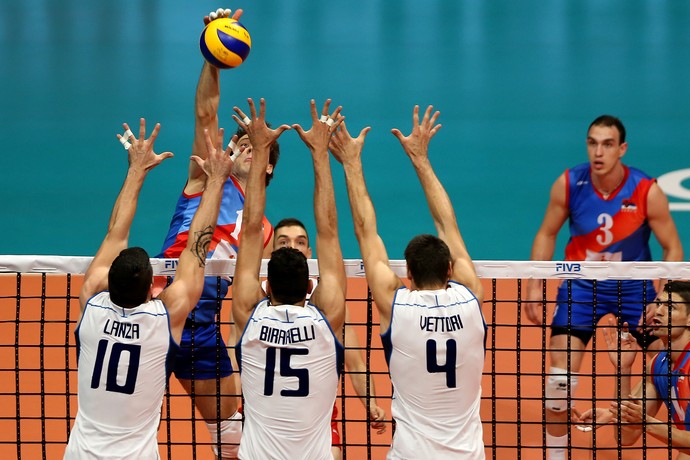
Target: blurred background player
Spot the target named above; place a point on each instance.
(613, 209)
(125, 338)
(289, 353)
(203, 366)
(433, 332)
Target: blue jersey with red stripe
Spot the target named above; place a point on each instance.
(225, 242)
(674, 391)
(613, 228)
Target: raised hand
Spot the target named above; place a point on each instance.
(260, 135)
(218, 162)
(319, 135)
(344, 147)
(140, 150)
(628, 346)
(416, 144)
(223, 13)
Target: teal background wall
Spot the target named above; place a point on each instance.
(517, 83)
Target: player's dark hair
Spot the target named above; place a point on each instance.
(130, 277)
(273, 153)
(288, 276)
(682, 288)
(291, 222)
(611, 122)
(428, 258)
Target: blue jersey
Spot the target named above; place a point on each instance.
(674, 389)
(614, 228)
(225, 243)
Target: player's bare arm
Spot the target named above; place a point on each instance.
(381, 279)
(184, 292)
(662, 225)
(416, 146)
(142, 159)
(544, 246)
(330, 293)
(247, 287)
(206, 103)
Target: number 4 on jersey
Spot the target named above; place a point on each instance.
(448, 367)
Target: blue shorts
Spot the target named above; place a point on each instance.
(210, 355)
(581, 310)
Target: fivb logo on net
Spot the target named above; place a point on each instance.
(672, 185)
(568, 270)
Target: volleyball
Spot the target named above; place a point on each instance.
(225, 43)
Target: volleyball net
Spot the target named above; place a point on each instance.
(39, 309)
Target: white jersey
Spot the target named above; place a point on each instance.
(123, 357)
(289, 362)
(435, 350)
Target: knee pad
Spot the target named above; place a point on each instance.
(557, 390)
(230, 434)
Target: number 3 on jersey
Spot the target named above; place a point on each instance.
(448, 367)
(606, 223)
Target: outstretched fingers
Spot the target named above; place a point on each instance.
(142, 129)
(140, 150)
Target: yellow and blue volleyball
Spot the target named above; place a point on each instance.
(225, 43)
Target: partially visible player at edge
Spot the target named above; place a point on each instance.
(125, 339)
(666, 381)
(288, 352)
(613, 209)
(433, 332)
(204, 356)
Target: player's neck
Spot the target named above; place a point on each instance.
(678, 345)
(242, 182)
(609, 183)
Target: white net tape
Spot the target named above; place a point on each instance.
(490, 269)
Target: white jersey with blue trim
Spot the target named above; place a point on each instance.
(289, 362)
(435, 350)
(123, 359)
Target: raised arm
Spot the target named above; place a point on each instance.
(382, 281)
(206, 102)
(142, 159)
(330, 293)
(416, 146)
(247, 287)
(544, 245)
(184, 292)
